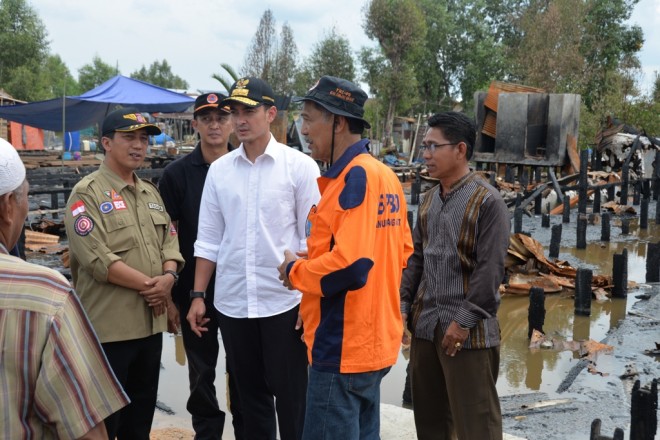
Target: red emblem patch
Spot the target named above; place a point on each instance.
(77, 208)
(172, 229)
(119, 205)
(83, 225)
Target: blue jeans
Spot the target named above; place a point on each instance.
(343, 406)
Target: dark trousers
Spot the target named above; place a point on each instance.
(269, 362)
(136, 363)
(208, 419)
(455, 397)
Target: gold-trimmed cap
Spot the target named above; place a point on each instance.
(250, 91)
(128, 119)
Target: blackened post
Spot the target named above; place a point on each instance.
(566, 217)
(620, 274)
(625, 225)
(410, 220)
(538, 202)
(517, 220)
(596, 157)
(545, 221)
(415, 188)
(583, 292)
(536, 311)
(518, 199)
(605, 227)
(611, 192)
(55, 203)
(646, 189)
(596, 435)
(491, 179)
(524, 178)
(596, 206)
(508, 174)
(581, 232)
(643, 406)
(653, 263)
(637, 191)
(555, 184)
(555, 240)
(657, 212)
(582, 184)
(644, 214)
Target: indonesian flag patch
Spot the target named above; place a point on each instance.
(172, 229)
(78, 208)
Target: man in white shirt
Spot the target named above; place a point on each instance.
(254, 206)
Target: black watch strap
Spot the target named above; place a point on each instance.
(197, 294)
(174, 274)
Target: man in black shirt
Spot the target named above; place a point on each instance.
(181, 188)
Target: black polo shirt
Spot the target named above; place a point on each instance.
(181, 188)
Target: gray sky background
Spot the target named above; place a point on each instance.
(196, 36)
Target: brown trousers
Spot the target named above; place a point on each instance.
(455, 397)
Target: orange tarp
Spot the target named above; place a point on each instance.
(24, 137)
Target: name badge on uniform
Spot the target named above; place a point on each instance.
(155, 206)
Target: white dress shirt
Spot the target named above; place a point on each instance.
(249, 215)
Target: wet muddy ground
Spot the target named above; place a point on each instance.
(529, 380)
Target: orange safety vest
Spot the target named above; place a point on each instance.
(358, 244)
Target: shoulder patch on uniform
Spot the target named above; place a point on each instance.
(354, 189)
(77, 208)
(106, 207)
(83, 225)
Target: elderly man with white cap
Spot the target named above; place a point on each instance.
(43, 324)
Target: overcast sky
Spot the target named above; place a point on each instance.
(196, 36)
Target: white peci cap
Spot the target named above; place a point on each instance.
(12, 170)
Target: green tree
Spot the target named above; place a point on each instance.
(37, 81)
(271, 59)
(330, 56)
(95, 74)
(260, 55)
(399, 28)
(59, 78)
(23, 46)
(160, 74)
(463, 50)
(548, 55)
(221, 78)
(283, 74)
(606, 42)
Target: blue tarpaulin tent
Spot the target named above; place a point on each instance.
(78, 112)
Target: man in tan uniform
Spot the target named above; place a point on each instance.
(124, 261)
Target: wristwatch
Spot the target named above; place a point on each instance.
(174, 274)
(197, 294)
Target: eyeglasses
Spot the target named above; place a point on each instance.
(433, 147)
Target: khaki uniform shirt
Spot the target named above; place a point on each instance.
(106, 221)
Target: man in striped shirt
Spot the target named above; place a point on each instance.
(450, 289)
(54, 379)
